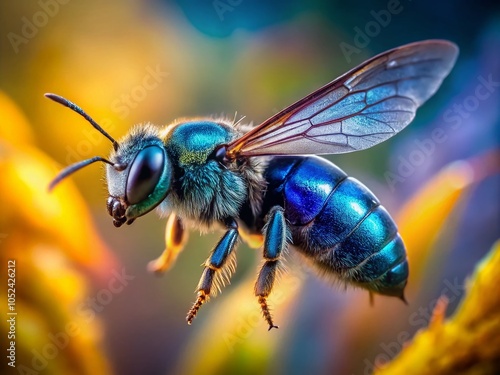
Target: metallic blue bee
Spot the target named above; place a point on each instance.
(257, 186)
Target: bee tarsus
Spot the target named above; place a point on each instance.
(266, 312)
(202, 298)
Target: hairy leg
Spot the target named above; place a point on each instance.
(218, 268)
(276, 238)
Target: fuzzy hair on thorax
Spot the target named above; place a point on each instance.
(206, 193)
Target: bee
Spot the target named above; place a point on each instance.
(267, 186)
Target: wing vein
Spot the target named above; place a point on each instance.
(358, 110)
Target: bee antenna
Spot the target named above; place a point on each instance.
(77, 166)
(77, 109)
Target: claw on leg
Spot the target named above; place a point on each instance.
(267, 314)
(276, 237)
(218, 268)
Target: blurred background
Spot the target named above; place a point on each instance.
(85, 300)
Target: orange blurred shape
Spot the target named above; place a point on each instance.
(424, 217)
(48, 239)
(14, 127)
(27, 205)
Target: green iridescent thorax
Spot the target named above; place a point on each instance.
(190, 143)
(205, 190)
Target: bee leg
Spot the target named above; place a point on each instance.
(219, 267)
(175, 239)
(275, 242)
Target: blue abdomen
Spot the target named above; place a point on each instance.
(338, 223)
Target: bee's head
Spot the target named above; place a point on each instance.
(143, 179)
(139, 172)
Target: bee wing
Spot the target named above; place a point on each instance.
(358, 110)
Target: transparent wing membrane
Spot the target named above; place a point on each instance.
(358, 110)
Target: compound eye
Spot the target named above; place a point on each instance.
(144, 174)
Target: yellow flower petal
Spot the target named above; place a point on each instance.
(423, 217)
(14, 127)
(61, 214)
(50, 238)
(467, 343)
